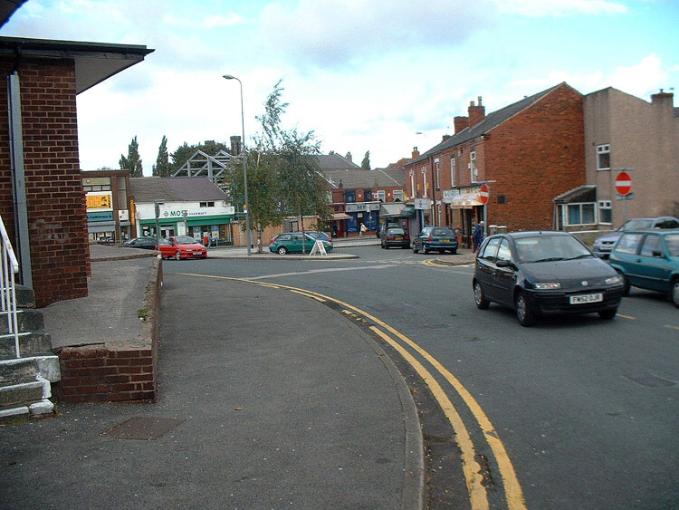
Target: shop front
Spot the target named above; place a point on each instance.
(367, 213)
(398, 214)
(464, 209)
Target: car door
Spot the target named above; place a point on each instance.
(485, 269)
(505, 275)
(653, 266)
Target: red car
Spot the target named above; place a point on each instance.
(182, 247)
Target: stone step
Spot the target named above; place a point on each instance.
(30, 344)
(13, 371)
(24, 393)
(25, 297)
(27, 320)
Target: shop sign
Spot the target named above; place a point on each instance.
(100, 216)
(355, 207)
(449, 195)
(99, 200)
(423, 203)
(183, 213)
(123, 215)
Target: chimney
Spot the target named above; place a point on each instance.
(445, 137)
(663, 99)
(460, 123)
(348, 156)
(416, 153)
(235, 145)
(476, 112)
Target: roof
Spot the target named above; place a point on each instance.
(94, 62)
(352, 178)
(491, 121)
(334, 161)
(584, 193)
(174, 189)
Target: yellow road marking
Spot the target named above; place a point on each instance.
(513, 490)
(672, 327)
(470, 468)
(627, 317)
(308, 295)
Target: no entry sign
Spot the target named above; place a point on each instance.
(623, 184)
(483, 194)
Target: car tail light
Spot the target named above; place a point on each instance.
(430, 238)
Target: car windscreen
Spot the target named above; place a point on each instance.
(638, 225)
(672, 242)
(185, 240)
(549, 248)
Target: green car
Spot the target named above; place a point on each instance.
(295, 242)
(649, 260)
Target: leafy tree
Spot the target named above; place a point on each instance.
(365, 164)
(133, 161)
(162, 167)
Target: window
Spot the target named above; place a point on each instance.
(580, 214)
(367, 196)
(453, 171)
(504, 253)
(629, 243)
(437, 174)
(207, 204)
(380, 196)
(490, 251)
(605, 213)
(667, 223)
(350, 197)
(651, 244)
(603, 157)
(398, 195)
(473, 170)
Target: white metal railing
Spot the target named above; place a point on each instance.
(8, 303)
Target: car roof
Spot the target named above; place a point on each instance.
(661, 232)
(533, 233)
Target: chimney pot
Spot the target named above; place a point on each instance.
(480, 101)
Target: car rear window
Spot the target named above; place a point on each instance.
(396, 231)
(672, 242)
(442, 232)
(185, 240)
(667, 223)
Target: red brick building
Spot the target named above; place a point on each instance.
(41, 194)
(528, 153)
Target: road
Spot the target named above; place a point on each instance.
(585, 409)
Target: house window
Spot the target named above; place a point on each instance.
(207, 204)
(453, 172)
(368, 196)
(605, 212)
(398, 195)
(580, 214)
(350, 197)
(380, 196)
(437, 174)
(473, 170)
(603, 157)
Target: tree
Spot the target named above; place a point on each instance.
(365, 164)
(162, 167)
(133, 161)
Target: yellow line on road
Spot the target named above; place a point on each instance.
(627, 317)
(471, 469)
(321, 300)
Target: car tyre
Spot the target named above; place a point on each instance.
(177, 256)
(608, 314)
(425, 251)
(414, 249)
(524, 310)
(675, 292)
(480, 299)
(282, 250)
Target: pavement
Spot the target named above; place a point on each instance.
(265, 401)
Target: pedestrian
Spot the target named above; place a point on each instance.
(362, 230)
(477, 236)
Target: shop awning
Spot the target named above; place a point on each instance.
(340, 216)
(209, 220)
(465, 204)
(397, 210)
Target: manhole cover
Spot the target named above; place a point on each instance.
(143, 427)
(650, 380)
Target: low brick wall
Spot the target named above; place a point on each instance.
(116, 373)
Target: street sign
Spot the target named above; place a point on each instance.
(423, 203)
(483, 194)
(623, 184)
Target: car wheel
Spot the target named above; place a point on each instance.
(426, 251)
(524, 310)
(282, 250)
(479, 298)
(675, 292)
(608, 314)
(414, 249)
(382, 245)
(177, 256)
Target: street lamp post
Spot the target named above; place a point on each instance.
(246, 205)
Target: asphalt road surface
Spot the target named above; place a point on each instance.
(586, 410)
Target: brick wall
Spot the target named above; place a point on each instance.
(533, 157)
(57, 216)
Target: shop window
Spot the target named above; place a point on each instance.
(603, 157)
(605, 212)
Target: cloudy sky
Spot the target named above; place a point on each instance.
(377, 75)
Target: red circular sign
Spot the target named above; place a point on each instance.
(483, 194)
(623, 183)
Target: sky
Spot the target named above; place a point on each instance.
(365, 75)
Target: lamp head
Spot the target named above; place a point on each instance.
(228, 77)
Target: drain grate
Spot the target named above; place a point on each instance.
(143, 427)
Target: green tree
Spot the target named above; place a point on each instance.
(133, 161)
(162, 167)
(365, 164)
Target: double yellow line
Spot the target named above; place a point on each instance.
(471, 469)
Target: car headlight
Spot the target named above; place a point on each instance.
(547, 285)
(614, 280)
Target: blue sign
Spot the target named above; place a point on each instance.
(100, 216)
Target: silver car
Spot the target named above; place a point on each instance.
(604, 244)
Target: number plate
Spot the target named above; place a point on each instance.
(445, 241)
(398, 238)
(586, 298)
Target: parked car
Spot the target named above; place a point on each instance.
(295, 242)
(604, 244)
(143, 242)
(544, 272)
(323, 236)
(440, 239)
(182, 247)
(394, 236)
(649, 260)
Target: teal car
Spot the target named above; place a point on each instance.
(295, 242)
(649, 260)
